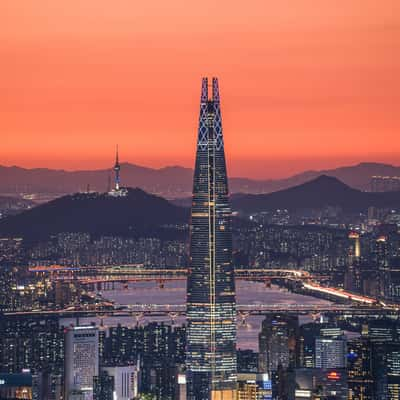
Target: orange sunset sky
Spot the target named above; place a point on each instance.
(304, 83)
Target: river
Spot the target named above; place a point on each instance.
(174, 292)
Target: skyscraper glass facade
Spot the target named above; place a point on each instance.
(211, 341)
(81, 361)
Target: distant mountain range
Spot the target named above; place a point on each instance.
(143, 214)
(138, 214)
(170, 182)
(316, 194)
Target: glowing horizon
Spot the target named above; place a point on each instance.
(303, 85)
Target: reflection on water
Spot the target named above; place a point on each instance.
(175, 293)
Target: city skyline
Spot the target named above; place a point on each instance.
(299, 82)
(151, 249)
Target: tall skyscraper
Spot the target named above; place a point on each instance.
(81, 361)
(211, 309)
(277, 342)
(387, 371)
(360, 377)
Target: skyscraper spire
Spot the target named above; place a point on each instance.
(211, 308)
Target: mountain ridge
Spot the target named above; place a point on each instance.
(317, 193)
(137, 214)
(171, 181)
(142, 214)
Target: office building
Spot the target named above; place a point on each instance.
(254, 386)
(81, 361)
(330, 352)
(319, 384)
(23, 385)
(386, 367)
(278, 342)
(360, 369)
(247, 361)
(125, 379)
(308, 333)
(211, 313)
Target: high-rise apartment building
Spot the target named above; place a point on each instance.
(103, 387)
(385, 183)
(211, 313)
(382, 264)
